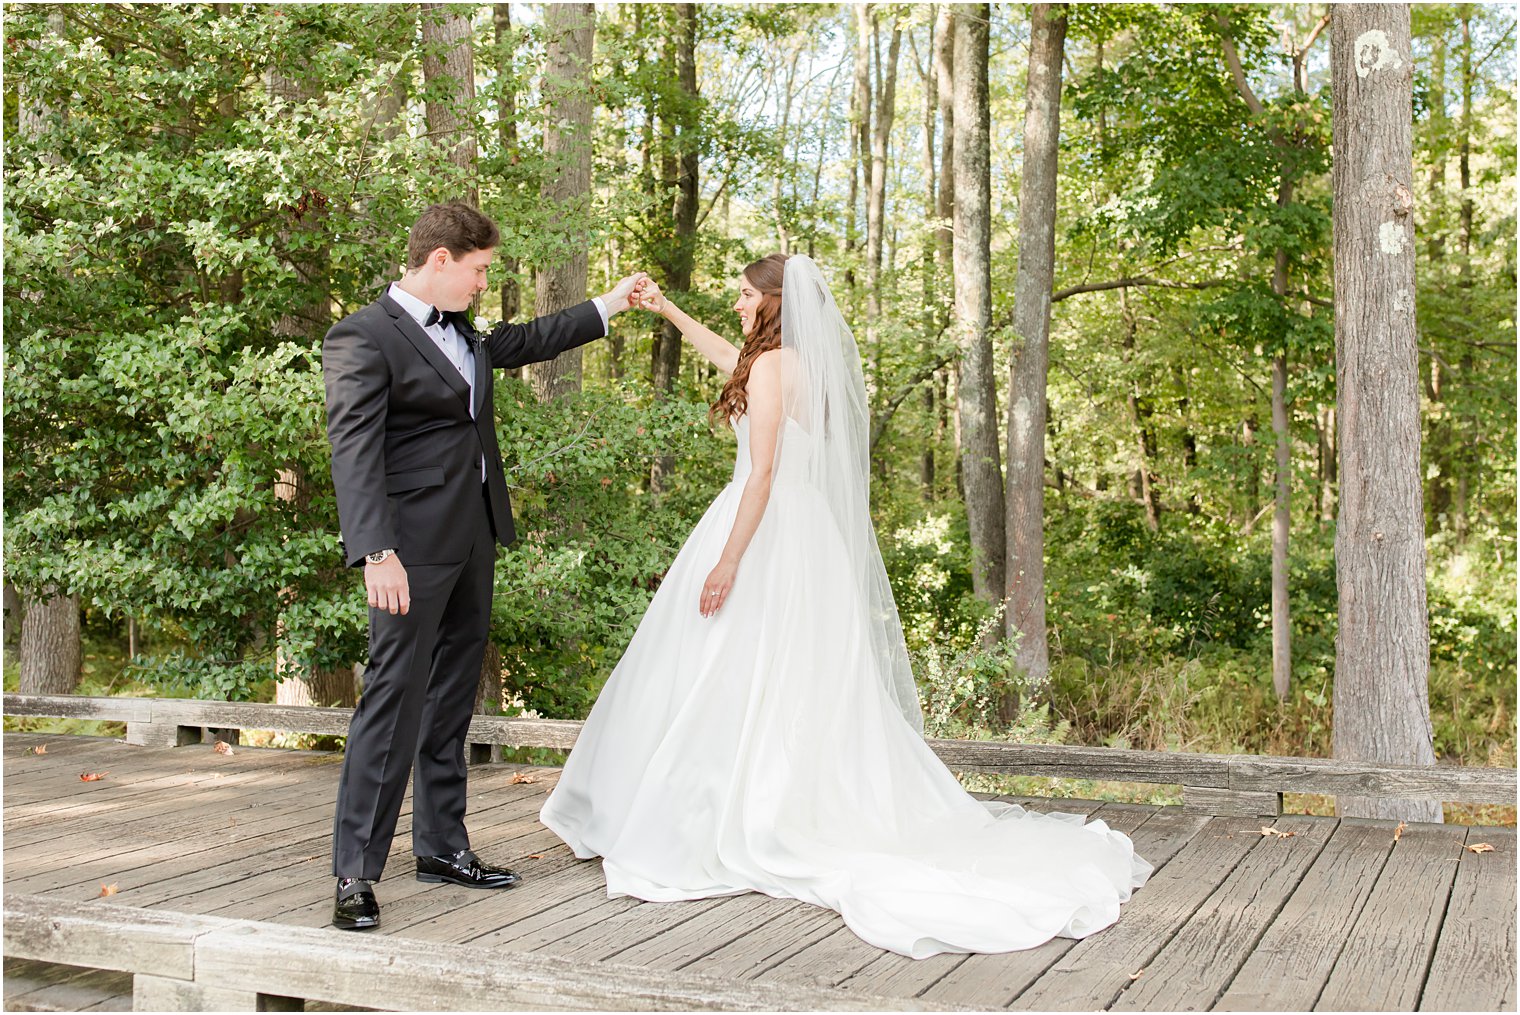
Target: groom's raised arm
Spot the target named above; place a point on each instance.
(543, 338)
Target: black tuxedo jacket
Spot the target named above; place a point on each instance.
(405, 450)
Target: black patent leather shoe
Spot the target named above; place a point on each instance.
(355, 907)
(466, 869)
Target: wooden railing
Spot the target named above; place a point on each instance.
(1243, 784)
(186, 962)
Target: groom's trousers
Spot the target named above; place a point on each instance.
(419, 694)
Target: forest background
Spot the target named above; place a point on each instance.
(194, 193)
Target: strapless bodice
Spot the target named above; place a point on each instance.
(797, 446)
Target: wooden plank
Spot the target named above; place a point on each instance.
(303, 863)
(1289, 965)
(78, 706)
(689, 940)
(210, 803)
(1474, 964)
(101, 937)
(628, 929)
(400, 974)
(1196, 965)
(1096, 969)
(296, 897)
(134, 775)
(144, 865)
(1388, 951)
(1339, 777)
(790, 928)
(160, 993)
(47, 986)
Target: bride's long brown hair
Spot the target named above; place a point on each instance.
(765, 275)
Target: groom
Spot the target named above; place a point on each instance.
(422, 502)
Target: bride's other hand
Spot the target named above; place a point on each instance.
(715, 590)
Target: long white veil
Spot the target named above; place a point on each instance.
(825, 393)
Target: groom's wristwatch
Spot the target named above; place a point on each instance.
(378, 557)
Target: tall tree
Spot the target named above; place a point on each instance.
(860, 135)
(50, 635)
(682, 118)
(976, 395)
(506, 126)
(1030, 359)
(1382, 647)
(876, 193)
(569, 32)
(448, 74)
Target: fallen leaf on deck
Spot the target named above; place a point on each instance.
(223, 747)
(1400, 830)
(1136, 974)
(1265, 831)
(518, 777)
(535, 856)
(39, 749)
(92, 776)
(1479, 847)
(107, 889)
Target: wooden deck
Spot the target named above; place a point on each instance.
(1336, 915)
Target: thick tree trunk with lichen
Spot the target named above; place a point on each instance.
(976, 400)
(569, 30)
(448, 68)
(1029, 363)
(1382, 645)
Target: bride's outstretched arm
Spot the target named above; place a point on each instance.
(765, 416)
(719, 352)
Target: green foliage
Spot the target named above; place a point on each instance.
(181, 229)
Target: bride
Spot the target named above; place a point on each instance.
(762, 733)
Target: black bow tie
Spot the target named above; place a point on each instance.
(458, 318)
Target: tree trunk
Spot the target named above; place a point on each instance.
(860, 133)
(930, 317)
(1030, 360)
(506, 125)
(1282, 617)
(685, 122)
(50, 646)
(569, 30)
(449, 55)
(1248, 429)
(293, 684)
(876, 196)
(50, 651)
(1143, 479)
(944, 67)
(1382, 646)
(981, 458)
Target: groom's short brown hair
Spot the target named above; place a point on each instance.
(457, 227)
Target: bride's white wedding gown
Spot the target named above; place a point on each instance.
(752, 751)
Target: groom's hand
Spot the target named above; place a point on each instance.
(616, 301)
(387, 586)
